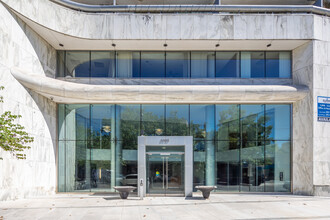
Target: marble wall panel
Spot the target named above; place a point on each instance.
(24, 48)
(173, 24)
(280, 25)
(302, 131)
(302, 57)
(213, 27)
(227, 27)
(159, 26)
(151, 26)
(240, 27)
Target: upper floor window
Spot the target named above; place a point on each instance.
(174, 64)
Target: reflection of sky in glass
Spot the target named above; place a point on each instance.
(156, 110)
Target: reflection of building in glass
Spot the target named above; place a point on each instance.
(178, 95)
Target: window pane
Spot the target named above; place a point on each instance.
(227, 122)
(128, 64)
(177, 64)
(177, 120)
(102, 64)
(103, 126)
(199, 164)
(252, 64)
(252, 122)
(60, 63)
(228, 165)
(126, 163)
(77, 166)
(202, 121)
(278, 120)
(153, 123)
(252, 167)
(227, 64)
(61, 166)
(77, 64)
(153, 64)
(77, 122)
(127, 122)
(278, 64)
(101, 168)
(202, 64)
(61, 121)
(278, 168)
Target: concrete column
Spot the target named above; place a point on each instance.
(209, 148)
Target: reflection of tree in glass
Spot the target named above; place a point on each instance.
(255, 127)
(176, 126)
(129, 127)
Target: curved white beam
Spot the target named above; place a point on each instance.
(68, 92)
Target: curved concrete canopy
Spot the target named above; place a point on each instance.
(194, 2)
(68, 92)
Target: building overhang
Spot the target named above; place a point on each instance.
(70, 41)
(68, 92)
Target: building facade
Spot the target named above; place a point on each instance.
(173, 95)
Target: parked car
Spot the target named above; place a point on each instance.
(130, 180)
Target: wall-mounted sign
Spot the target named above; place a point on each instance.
(323, 109)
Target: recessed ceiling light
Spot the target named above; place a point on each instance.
(165, 45)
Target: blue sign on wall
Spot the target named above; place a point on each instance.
(323, 109)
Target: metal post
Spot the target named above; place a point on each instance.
(141, 189)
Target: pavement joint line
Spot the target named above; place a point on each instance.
(161, 205)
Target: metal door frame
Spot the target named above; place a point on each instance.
(186, 141)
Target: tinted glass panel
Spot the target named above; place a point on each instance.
(153, 64)
(61, 63)
(126, 163)
(177, 64)
(153, 120)
(252, 167)
(278, 122)
(127, 122)
(202, 64)
(199, 164)
(252, 64)
(228, 165)
(103, 127)
(227, 122)
(100, 166)
(177, 120)
(77, 122)
(227, 64)
(78, 64)
(277, 167)
(102, 64)
(252, 122)
(278, 64)
(128, 64)
(202, 121)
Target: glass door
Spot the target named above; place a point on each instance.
(165, 173)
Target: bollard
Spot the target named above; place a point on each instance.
(141, 189)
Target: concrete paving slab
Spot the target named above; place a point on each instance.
(219, 206)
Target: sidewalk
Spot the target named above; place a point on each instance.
(219, 206)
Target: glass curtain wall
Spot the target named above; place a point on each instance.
(174, 64)
(240, 148)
